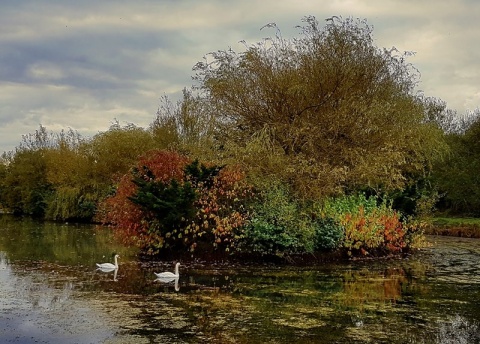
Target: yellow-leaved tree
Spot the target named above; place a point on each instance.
(327, 112)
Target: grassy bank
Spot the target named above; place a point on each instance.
(468, 227)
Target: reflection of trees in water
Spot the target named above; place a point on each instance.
(372, 301)
(389, 285)
(26, 239)
(365, 286)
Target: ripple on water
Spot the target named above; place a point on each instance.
(33, 312)
(57, 296)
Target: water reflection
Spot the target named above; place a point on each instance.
(50, 272)
(25, 239)
(169, 280)
(365, 286)
(109, 270)
(37, 307)
(40, 295)
(4, 261)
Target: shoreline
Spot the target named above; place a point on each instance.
(463, 231)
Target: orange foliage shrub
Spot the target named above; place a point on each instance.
(377, 230)
(220, 208)
(221, 211)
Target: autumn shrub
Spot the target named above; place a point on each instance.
(371, 227)
(415, 230)
(329, 234)
(171, 202)
(119, 211)
(277, 224)
(375, 232)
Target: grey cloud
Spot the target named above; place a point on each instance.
(80, 64)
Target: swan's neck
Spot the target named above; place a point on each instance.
(176, 269)
(116, 263)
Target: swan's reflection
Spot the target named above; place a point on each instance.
(169, 280)
(108, 270)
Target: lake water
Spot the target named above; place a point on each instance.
(51, 292)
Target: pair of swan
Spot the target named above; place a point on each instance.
(162, 276)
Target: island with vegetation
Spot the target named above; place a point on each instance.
(315, 146)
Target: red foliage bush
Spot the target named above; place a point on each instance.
(378, 231)
(220, 207)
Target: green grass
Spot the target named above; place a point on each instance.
(456, 221)
(468, 227)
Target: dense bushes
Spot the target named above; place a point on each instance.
(329, 234)
(458, 177)
(356, 224)
(170, 202)
(71, 203)
(61, 176)
(277, 224)
(25, 185)
(371, 227)
(282, 225)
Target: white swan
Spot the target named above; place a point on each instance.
(109, 266)
(168, 274)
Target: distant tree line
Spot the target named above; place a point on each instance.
(292, 146)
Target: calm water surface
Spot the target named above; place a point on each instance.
(51, 292)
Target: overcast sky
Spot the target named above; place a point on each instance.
(82, 64)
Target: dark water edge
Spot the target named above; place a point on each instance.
(50, 292)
